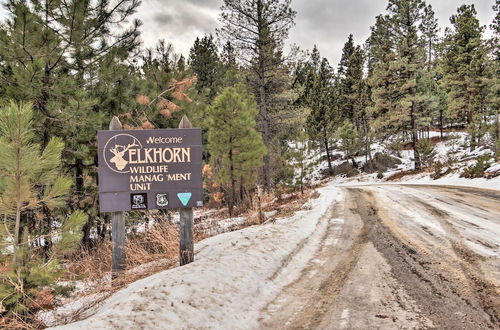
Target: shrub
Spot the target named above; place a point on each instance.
(426, 151)
(477, 170)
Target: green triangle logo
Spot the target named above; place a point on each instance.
(184, 197)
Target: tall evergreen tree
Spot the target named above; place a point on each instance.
(206, 65)
(380, 44)
(319, 96)
(395, 93)
(349, 73)
(258, 29)
(494, 97)
(464, 68)
(430, 28)
(55, 53)
(236, 148)
(349, 140)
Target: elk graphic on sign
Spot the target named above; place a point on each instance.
(118, 152)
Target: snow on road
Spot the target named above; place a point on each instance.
(233, 277)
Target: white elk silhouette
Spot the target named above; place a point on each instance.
(118, 160)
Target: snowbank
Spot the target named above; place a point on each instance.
(226, 286)
(424, 178)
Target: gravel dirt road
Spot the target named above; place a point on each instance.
(399, 257)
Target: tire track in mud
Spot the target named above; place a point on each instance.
(303, 302)
(313, 314)
(486, 292)
(322, 226)
(440, 295)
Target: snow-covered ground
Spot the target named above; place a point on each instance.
(453, 153)
(226, 285)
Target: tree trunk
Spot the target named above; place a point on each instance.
(241, 190)
(470, 120)
(86, 235)
(327, 149)
(354, 163)
(302, 178)
(265, 127)
(497, 125)
(414, 133)
(18, 193)
(233, 183)
(414, 130)
(16, 233)
(368, 152)
(441, 123)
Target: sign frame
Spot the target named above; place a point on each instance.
(149, 163)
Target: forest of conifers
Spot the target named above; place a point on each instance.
(68, 66)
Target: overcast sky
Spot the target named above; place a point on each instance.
(326, 23)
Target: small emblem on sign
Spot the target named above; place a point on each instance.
(116, 152)
(184, 197)
(199, 203)
(138, 201)
(162, 200)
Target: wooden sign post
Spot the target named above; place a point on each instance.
(117, 226)
(186, 248)
(146, 170)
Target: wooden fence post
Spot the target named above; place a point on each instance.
(186, 251)
(117, 226)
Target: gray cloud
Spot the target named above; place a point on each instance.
(326, 23)
(177, 21)
(206, 3)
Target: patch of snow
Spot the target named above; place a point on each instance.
(226, 285)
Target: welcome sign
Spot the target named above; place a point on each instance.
(149, 169)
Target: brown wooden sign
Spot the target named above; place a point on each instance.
(149, 169)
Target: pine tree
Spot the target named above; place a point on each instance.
(180, 66)
(494, 96)
(299, 160)
(319, 96)
(55, 53)
(236, 148)
(349, 140)
(228, 55)
(206, 65)
(233, 74)
(380, 50)
(395, 92)
(258, 29)
(380, 44)
(24, 170)
(377, 97)
(464, 68)
(429, 27)
(349, 73)
(352, 91)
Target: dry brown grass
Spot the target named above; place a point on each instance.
(13, 322)
(402, 174)
(147, 253)
(434, 140)
(161, 241)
